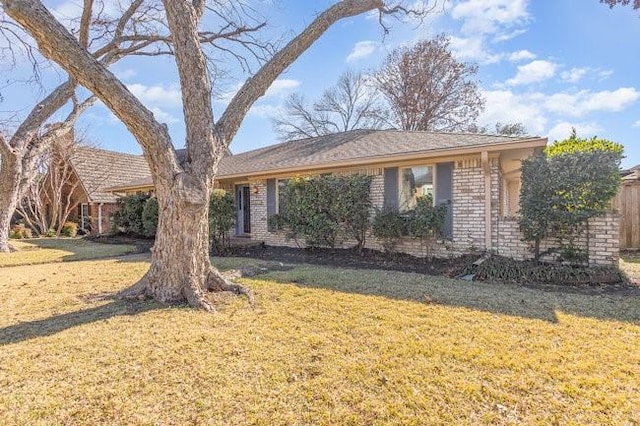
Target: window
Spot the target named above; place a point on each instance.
(415, 182)
(85, 221)
(511, 197)
(281, 206)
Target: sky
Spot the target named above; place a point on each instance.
(551, 65)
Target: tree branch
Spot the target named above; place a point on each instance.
(40, 114)
(257, 85)
(194, 81)
(57, 44)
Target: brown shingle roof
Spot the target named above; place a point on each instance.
(99, 169)
(354, 146)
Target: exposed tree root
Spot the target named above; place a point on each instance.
(194, 296)
(7, 248)
(137, 291)
(216, 282)
(196, 299)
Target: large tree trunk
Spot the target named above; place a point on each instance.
(180, 268)
(9, 194)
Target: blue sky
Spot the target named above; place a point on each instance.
(548, 64)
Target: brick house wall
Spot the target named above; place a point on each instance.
(469, 206)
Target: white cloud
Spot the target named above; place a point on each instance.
(125, 74)
(490, 16)
(158, 96)
(508, 107)
(505, 36)
(585, 101)
(267, 110)
(163, 116)
(533, 72)
(521, 55)
(536, 109)
(472, 49)
(361, 50)
(574, 75)
(282, 86)
(562, 130)
(604, 74)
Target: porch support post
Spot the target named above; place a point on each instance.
(100, 218)
(486, 166)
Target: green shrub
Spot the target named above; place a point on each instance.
(222, 215)
(354, 207)
(388, 227)
(562, 188)
(322, 209)
(497, 268)
(128, 218)
(69, 229)
(19, 231)
(426, 221)
(51, 233)
(150, 217)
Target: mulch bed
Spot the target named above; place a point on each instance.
(372, 259)
(348, 258)
(142, 245)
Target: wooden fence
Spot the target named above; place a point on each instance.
(627, 202)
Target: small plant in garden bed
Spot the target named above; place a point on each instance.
(497, 268)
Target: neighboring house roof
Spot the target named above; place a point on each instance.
(631, 174)
(99, 169)
(358, 146)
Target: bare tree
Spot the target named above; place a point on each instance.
(611, 3)
(506, 129)
(180, 267)
(353, 103)
(428, 89)
(107, 32)
(56, 191)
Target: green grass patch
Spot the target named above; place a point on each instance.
(48, 250)
(324, 346)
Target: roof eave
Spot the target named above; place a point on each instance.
(535, 142)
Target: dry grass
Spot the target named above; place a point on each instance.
(48, 250)
(630, 264)
(324, 346)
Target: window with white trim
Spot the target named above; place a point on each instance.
(415, 182)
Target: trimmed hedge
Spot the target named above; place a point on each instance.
(323, 209)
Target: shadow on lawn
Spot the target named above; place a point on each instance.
(505, 299)
(78, 248)
(57, 323)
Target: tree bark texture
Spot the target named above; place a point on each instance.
(9, 188)
(180, 267)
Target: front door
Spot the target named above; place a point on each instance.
(243, 210)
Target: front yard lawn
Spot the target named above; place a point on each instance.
(47, 250)
(323, 346)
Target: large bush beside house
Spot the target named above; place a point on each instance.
(128, 218)
(427, 221)
(222, 214)
(150, 217)
(138, 215)
(571, 182)
(388, 227)
(324, 209)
